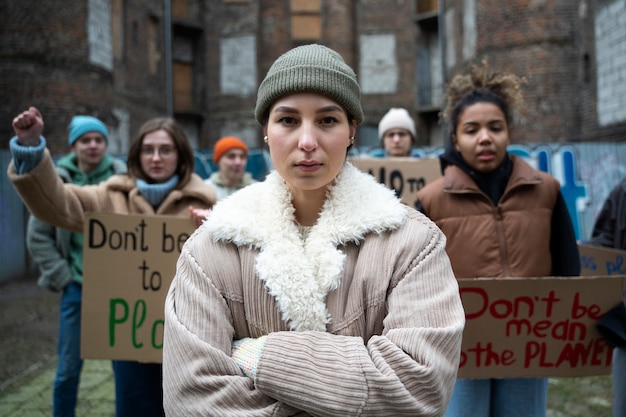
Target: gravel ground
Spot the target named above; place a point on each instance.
(29, 324)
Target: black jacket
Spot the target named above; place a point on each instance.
(610, 227)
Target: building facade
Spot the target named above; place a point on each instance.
(125, 61)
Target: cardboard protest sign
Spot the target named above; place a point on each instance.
(534, 327)
(404, 175)
(599, 260)
(128, 264)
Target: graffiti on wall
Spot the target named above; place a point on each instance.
(587, 173)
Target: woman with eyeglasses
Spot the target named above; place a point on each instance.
(160, 180)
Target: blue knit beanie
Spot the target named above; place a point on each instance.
(83, 124)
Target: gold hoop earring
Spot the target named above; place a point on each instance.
(265, 139)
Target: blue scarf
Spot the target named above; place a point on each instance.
(156, 193)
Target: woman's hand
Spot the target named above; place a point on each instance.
(28, 127)
(198, 215)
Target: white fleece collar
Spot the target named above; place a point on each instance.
(299, 275)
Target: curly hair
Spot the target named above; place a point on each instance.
(482, 85)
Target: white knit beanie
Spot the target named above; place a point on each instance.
(394, 119)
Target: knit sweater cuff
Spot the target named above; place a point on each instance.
(246, 353)
(26, 158)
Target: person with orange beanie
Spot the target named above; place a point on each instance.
(230, 154)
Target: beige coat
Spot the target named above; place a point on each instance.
(363, 319)
(65, 205)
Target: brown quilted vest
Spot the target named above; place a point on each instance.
(511, 239)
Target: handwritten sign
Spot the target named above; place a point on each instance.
(533, 327)
(128, 264)
(404, 175)
(599, 260)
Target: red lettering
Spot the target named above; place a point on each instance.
(536, 350)
(578, 310)
(485, 356)
(506, 309)
(522, 306)
(550, 301)
(572, 355)
(561, 330)
(540, 327)
(508, 357)
(599, 349)
(579, 354)
(482, 294)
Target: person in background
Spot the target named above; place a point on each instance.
(160, 180)
(314, 292)
(609, 230)
(230, 155)
(486, 203)
(59, 253)
(396, 131)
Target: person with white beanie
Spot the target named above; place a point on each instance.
(396, 131)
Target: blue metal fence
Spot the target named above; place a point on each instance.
(14, 259)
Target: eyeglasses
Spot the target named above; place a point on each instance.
(163, 151)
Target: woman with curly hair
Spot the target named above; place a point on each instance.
(514, 216)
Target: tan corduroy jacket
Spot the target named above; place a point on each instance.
(65, 205)
(363, 318)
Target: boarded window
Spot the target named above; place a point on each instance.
(306, 20)
(179, 9)
(183, 86)
(117, 29)
(427, 6)
(183, 60)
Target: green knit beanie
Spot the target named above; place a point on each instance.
(310, 68)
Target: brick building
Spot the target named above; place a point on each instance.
(572, 53)
(127, 61)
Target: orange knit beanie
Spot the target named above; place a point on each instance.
(225, 144)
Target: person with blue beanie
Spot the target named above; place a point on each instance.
(59, 253)
(160, 181)
(83, 124)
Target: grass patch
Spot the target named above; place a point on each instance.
(580, 396)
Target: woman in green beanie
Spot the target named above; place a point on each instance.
(314, 292)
